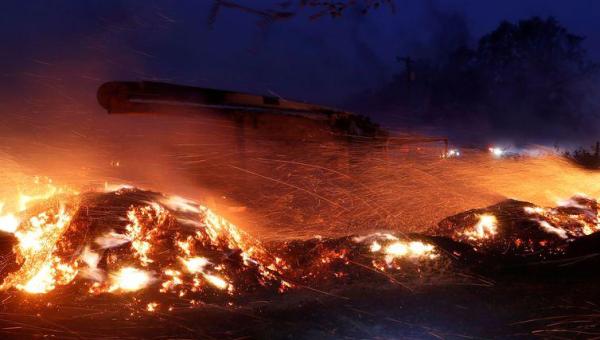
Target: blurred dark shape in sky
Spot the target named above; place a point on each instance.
(61, 51)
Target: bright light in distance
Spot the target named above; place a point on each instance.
(453, 153)
(496, 151)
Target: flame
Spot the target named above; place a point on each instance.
(152, 306)
(216, 281)
(179, 247)
(485, 228)
(375, 247)
(147, 229)
(389, 249)
(397, 249)
(195, 264)
(129, 279)
(585, 221)
(9, 223)
(412, 249)
(137, 231)
(41, 269)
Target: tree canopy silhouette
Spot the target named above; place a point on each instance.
(532, 73)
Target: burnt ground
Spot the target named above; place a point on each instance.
(559, 307)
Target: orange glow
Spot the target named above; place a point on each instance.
(485, 228)
(129, 279)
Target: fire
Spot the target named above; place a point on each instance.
(375, 247)
(582, 219)
(41, 268)
(392, 247)
(412, 249)
(174, 244)
(388, 250)
(419, 248)
(216, 281)
(138, 232)
(195, 264)
(485, 228)
(161, 241)
(174, 249)
(535, 210)
(42, 282)
(396, 249)
(152, 306)
(9, 223)
(129, 279)
(38, 237)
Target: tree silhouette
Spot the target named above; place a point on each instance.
(530, 78)
(530, 68)
(587, 158)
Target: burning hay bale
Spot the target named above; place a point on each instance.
(135, 241)
(380, 258)
(134, 257)
(165, 248)
(515, 232)
(127, 240)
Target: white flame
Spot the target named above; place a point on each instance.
(9, 223)
(130, 279)
(111, 240)
(195, 264)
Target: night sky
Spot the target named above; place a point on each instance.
(70, 46)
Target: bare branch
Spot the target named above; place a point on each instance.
(287, 10)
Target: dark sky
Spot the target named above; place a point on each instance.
(68, 44)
